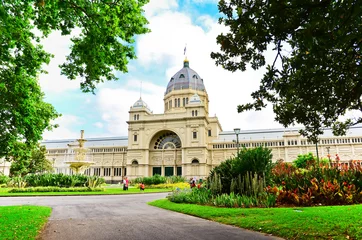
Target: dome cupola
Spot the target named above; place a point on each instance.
(186, 78)
(141, 104)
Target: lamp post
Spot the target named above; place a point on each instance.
(237, 132)
(53, 165)
(329, 156)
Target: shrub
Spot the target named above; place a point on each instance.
(174, 186)
(4, 179)
(55, 189)
(176, 179)
(187, 195)
(17, 182)
(154, 180)
(231, 172)
(59, 180)
(318, 185)
(304, 161)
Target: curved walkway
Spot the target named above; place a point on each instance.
(124, 217)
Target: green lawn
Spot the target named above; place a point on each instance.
(22, 222)
(108, 191)
(332, 222)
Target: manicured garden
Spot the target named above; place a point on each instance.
(325, 222)
(22, 222)
(257, 194)
(59, 184)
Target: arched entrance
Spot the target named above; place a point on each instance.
(165, 154)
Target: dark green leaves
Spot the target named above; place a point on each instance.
(103, 46)
(319, 46)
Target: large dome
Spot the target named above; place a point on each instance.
(184, 79)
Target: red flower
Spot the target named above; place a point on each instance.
(344, 183)
(283, 183)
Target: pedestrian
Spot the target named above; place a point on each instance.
(142, 187)
(192, 183)
(125, 183)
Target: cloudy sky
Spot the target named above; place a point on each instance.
(173, 24)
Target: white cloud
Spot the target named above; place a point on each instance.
(157, 6)
(170, 31)
(98, 125)
(114, 104)
(66, 122)
(53, 82)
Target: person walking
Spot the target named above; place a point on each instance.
(125, 183)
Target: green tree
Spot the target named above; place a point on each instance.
(27, 159)
(104, 45)
(318, 43)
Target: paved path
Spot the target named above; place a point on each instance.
(124, 217)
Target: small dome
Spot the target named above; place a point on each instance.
(140, 104)
(186, 78)
(195, 99)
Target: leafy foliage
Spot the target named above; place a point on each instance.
(103, 46)
(319, 46)
(26, 159)
(249, 161)
(62, 180)
(55, 189)
(304, 160)
(325, 185)
(154, 180)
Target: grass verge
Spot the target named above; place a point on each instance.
(330, 222)
(108, 191)
(22, 222)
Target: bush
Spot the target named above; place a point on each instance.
(305, 161)
(60, 180)
(195, 195)
(204, 196)
(174, 186)
(317, 185)
(249, 161)
(55, 189)
(4, 179)
(154, 180)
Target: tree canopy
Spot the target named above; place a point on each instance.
(27, 159)
(104, 45)
(318, 43)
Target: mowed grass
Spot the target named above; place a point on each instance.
(22, 222)
(108, 191)
(327, 222)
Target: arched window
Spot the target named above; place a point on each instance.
(193, 112)
(134, 162)
(195, 161)
(135, 117)
(182, 76)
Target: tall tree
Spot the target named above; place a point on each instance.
(27, 159)
(318, 43)
(104, 45)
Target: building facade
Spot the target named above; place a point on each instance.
(185, 140)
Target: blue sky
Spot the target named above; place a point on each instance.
(160, 55)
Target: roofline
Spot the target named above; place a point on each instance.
(88, 139)
(275, 130)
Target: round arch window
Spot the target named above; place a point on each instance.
(168, 140)
(135, 162)
(195, 161)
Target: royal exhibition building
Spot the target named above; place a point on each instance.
(185, 140)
